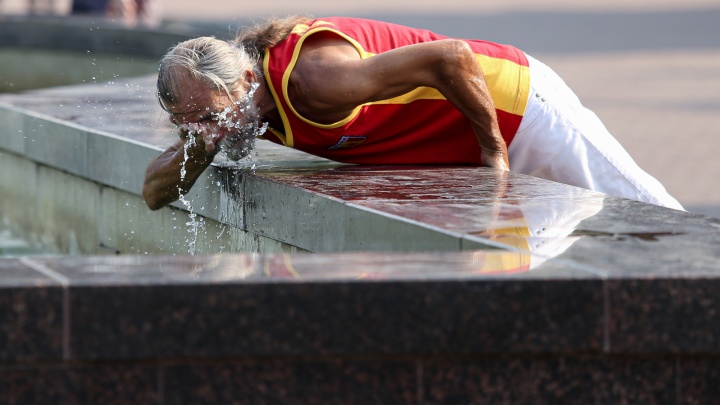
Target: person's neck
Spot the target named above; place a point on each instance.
(266, 106)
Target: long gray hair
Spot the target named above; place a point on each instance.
(216, 63)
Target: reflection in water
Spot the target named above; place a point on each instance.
(533, 230)
(535, 220)
(385, 266)
(545, 228)
(216, 268)
(645, 236)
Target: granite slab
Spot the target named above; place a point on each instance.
(628, 253)
(346, 304)
(586, 298)
(698, 377)
(31, 314)
(580, 379)
(318, 381)
(116, 384)
(371, 183)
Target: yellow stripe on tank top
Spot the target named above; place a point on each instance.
(287, 138)
(508, 81)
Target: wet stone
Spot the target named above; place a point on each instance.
(523, 291)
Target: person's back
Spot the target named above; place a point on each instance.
(431, 130)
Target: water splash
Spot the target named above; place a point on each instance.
(195, 224)
(241, 123)
(242, 120)
(231, 209)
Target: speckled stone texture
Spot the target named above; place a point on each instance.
(355, 329)
(115, 384)
(665, 315)
(352, 304)
(31, 315)
(294, 381)
(551, 380)
(586, 298)
(699, 380)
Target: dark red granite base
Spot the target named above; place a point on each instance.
(349, 329)
(506, 379)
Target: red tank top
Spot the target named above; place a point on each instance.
(420, 127)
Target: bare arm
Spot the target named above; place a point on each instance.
(333, 80)
(163, 183)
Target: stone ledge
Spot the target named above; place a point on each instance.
(426, 380)
(579, 290)
(366, 304)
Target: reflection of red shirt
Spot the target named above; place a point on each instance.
(419, 127)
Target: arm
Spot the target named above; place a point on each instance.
(332, 80)
(163, 183)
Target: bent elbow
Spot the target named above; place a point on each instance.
(151, 200)
(153, 206)
(461, 50)
(464, 61)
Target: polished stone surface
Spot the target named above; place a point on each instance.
(545, 218)
(31, 314)
(524, 291)
(565, 380)
(358, 328)
(698, 377)
(610, 262)
(80, 384)
(286, 382)
(474, 302)
(464, 207)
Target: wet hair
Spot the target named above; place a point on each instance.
(255, 40)
(219, 64)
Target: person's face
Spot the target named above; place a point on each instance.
(214, 116)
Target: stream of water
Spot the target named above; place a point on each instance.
(237, 126)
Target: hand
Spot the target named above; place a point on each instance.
(203, 139)
(496, 159)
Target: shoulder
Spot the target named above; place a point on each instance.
(322, 57)
(323, 48)
(323, 64)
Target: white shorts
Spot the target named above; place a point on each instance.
(561, 140)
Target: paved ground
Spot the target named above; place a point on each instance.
(649, 68)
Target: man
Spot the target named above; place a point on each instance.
(368, 92)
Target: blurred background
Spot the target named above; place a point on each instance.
(649, 68)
